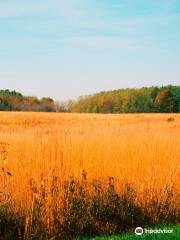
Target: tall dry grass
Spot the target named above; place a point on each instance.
(52, 163)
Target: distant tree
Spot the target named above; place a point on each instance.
(140, 103)
(118, 103)
(152, 99)
(164, 102)
(60, 106)
(106, 104)
(96, 109)
(47, 104)
(4, 105)
(174, 92)
(15, 101)
(71, 105)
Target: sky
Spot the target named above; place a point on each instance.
(67, 48)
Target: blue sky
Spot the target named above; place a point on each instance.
(67, 48)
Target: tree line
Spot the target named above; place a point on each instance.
(15, 101)
(130, 100)
(133, 100)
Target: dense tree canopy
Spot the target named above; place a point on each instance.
(14, 101)
(130, 100)
(134, 100)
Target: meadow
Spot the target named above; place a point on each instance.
(67, 175)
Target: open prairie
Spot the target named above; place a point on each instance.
(42, 151)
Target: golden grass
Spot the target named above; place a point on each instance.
(142, 149)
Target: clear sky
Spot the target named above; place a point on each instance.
(67, 48)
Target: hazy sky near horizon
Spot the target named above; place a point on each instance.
(67, 48)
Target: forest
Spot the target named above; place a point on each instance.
(15, 101)
(130, 100)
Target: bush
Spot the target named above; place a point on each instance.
(87, 209)
(11, 225)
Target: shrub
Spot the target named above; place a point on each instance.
(87, 208)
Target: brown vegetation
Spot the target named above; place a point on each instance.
(74, 174)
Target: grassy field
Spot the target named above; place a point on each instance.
(131, 236)
(49, 158)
